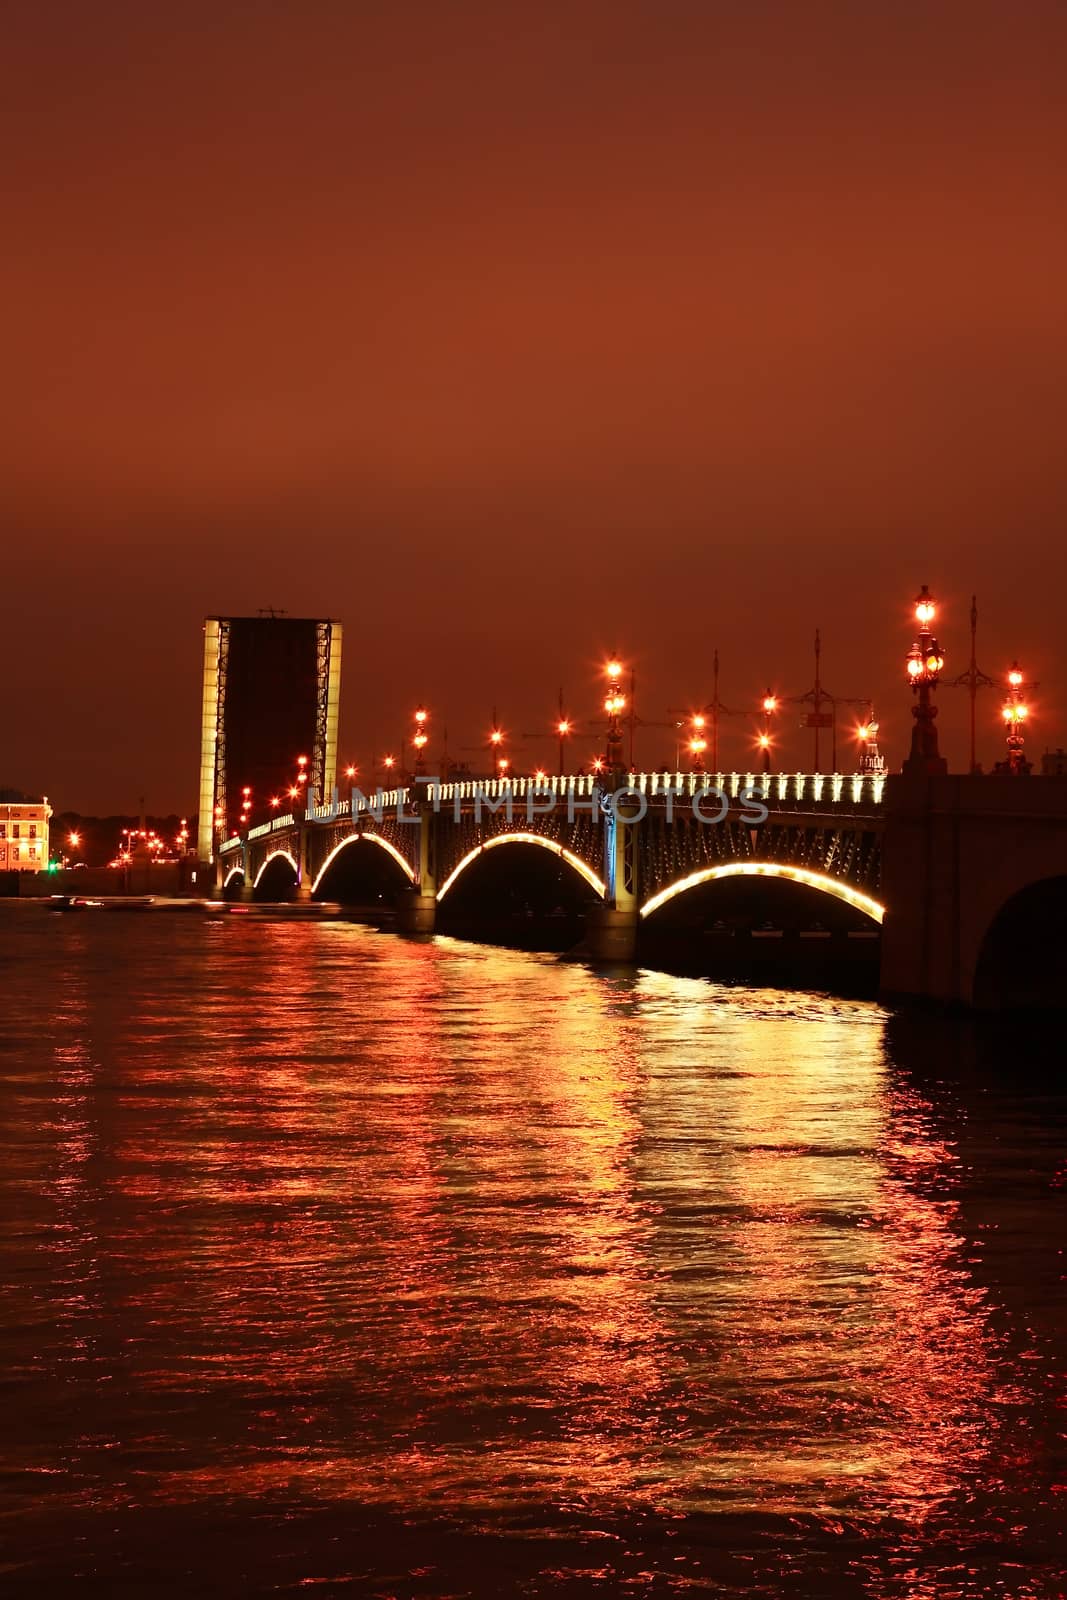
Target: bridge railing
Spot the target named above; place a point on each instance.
(275, 825)
(796, 788)
(330, 811)
(793, 790)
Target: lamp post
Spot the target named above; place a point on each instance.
(769, 706)
(496, 748)
(1015, 712)
(418, 740)
(698, 743)
(614, 705)
(972, 680)
(715, 707)
(871, 762)
(563, 732)
(564, 727)
(925, 662)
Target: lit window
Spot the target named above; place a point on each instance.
(3, 830)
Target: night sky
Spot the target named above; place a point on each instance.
(514, 333)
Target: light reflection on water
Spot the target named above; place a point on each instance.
(303, 1218)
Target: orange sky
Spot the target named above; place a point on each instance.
(511, 334)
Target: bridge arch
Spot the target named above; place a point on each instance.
(836, 887)
(370, 838)
(234, 872)
(1021, 958)
(581, 867)
(274, 856)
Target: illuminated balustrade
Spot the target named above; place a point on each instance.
(818, 790)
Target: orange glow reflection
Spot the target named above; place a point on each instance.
(665, 1246)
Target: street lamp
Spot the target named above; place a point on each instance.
(563, 729)
(697, 743)
(1015, 712)
(614, 705)
(925, 662)
(871, 761)
(419, 739)
(769, 706)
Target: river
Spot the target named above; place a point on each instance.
(339, 1264)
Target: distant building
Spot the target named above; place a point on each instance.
(23, 832)
(271, 694)
(1054, 764)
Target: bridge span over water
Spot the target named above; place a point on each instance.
(963, 879)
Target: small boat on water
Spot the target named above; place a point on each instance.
(81, 902)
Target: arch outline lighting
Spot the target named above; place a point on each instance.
(559, 850)
(837, 887)
(354, 838)
(273, 857)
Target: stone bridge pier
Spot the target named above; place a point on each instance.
(611, 929)
(974, 879)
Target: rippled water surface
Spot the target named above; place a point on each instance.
(337, 1263)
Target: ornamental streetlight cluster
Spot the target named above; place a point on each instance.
(698, 743)
(501, 762)
(563, 733)
(1015, 713)
(924, 663)
(769, 707)
(614, 705)
(419, 740)
(871, 761)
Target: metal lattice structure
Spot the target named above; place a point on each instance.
(672, 828)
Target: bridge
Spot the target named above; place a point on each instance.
(960, 879)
